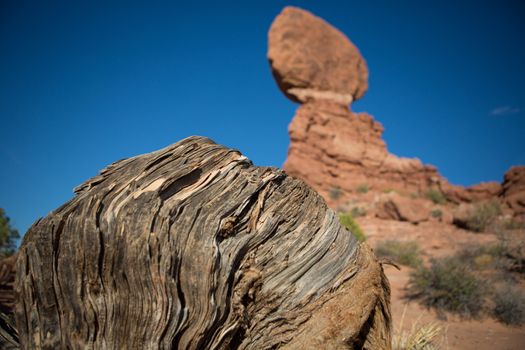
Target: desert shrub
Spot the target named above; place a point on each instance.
(348, 221)
(511, 224)
(436, 196)
(414, 195)
(335, 193)
(389, 190)
(436, 213)
(404, 253)
(482, 216)
(362, 188)
(509, 305)
(8, 236)
(358, 211)
(448, 284)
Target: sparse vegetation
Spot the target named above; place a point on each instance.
(348, 221)
(436, 196)
(437, 213)
(482, 256)
(509, 305)
(362, 188)
(8, 236)
(404, 253)
(420, 337)
(448, 285)
(358, 211)
(482, 216)
(335, 193)
(511, 224)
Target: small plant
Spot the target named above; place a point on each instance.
(388, 190)
(335, 193)
(436, 196)
(437, 213)
(358, 211)
(404, 253)
(350, 224)
(362, 188)
(448, 285)
(414, 195)
(420, 337)
(509, 305)
(511, 224)
(482, 216)
(482, 256)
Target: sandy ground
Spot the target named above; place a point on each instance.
(437, 239)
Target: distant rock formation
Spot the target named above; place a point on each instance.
(334, 150)
(513, 189)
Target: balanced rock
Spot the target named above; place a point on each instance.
(310, 59)
(193, 247)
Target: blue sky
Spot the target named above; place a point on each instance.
(85, 83)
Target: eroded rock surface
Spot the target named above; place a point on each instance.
(513, 190)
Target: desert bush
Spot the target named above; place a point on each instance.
(335, 193)
(347, 220)
(436, 196)
(362, 188)
(482, 256)
(358, 211)
(404, 253)
(436, 213)
(512, 224)
(448, 285)
(509, 305)
(482, 216)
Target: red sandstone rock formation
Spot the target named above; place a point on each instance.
(333, 149)
(513, 190)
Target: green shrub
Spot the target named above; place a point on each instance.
(482, 216)
(436, 196)
(509, 305)
(482, 256)
(348, 221)
(404, 253)
(448, 285)
(335, 193)
(437, 213)
(362, 189)
(511, 224)
(358, 211)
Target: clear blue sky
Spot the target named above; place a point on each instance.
(83, 84)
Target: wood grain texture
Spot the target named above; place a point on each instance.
(193, 247)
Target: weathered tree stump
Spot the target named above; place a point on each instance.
(193, 247)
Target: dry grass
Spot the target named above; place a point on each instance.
(404, 253)
(419, 337)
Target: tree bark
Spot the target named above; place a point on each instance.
(193, 247)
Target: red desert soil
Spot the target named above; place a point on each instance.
(438, 239)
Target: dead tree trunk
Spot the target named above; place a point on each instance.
(193, 247)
